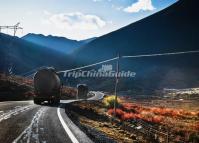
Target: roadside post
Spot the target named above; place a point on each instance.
(116, 84)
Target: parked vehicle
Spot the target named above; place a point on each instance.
(47, 86)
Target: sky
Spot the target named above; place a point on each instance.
(75, 19)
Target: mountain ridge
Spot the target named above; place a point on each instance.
(60, 44)
(25, 56)
(173, 29)
(160, 25)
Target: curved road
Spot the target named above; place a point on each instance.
(25, 122)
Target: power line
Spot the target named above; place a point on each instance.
(8, 59)
(91, 65)
(163, 54)
(124, 57)
(15, 28)
(32, 71)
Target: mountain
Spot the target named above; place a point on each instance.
(25, 56)
(60, 44)
(170, 30)
(86, 41)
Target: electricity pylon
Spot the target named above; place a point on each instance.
(8, 61)
(15, 28)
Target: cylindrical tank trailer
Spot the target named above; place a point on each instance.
(82, 91)
(47, 86)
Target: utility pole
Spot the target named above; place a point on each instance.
(9, 64)
(116, 83)
(15, 28)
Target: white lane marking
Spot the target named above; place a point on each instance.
(16, 113)
(13, 112)
(1, 113)
(17, 106)
(31, 133)
(6, 117)
(66, 128)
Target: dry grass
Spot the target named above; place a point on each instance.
(7, 83)
(181, 123)
(109, 129)
(68, 93)
(94, 115)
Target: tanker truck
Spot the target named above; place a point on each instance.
(47, 86)
(82, 91)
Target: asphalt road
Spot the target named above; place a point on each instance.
(25, 122)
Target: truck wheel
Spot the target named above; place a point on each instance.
(56, 101)
(51, 101)
(37, 101)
